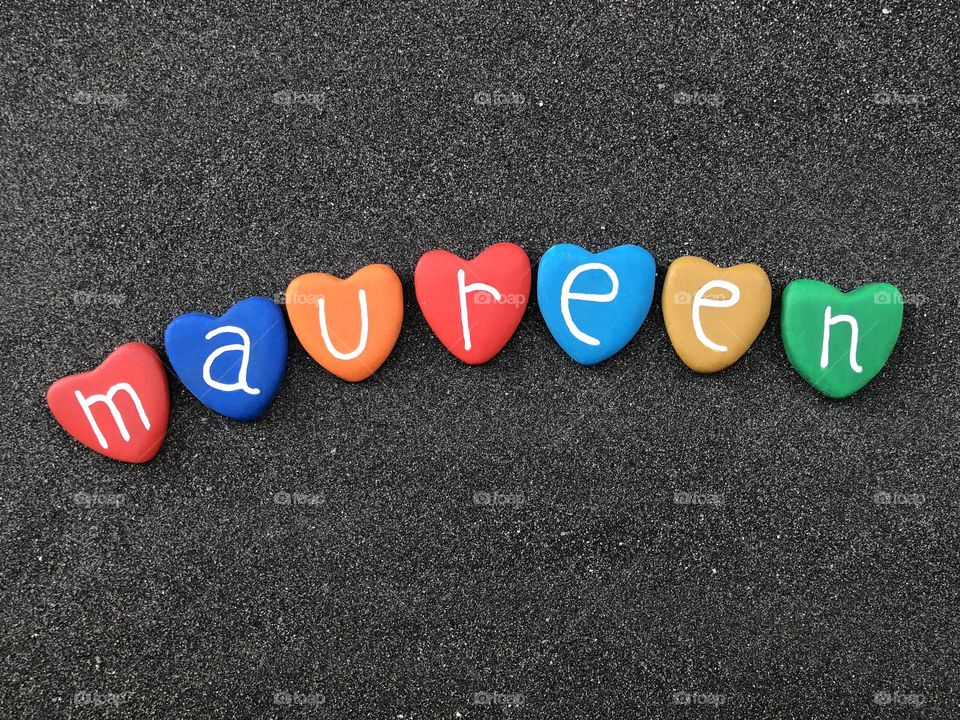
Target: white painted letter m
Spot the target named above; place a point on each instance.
(107, 399)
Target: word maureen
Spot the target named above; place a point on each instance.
(592, 303)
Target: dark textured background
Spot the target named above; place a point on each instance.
(818, 142)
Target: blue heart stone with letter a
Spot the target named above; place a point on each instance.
(594, 303)
(234, 363)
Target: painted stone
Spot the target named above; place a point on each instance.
(713, 315)
(348, 326)
(234, 363)
(594, 303)
(474, 306)
(838, 341)
(120, 409)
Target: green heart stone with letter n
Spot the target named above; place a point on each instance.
(839, 341)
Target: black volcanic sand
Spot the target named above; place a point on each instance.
(149, 168)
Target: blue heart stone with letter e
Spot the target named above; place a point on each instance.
(234, 363)
(594, 303)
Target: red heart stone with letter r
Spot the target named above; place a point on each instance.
(121, 408)
(474, 306)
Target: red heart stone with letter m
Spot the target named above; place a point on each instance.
(121, 408)
(474, 306)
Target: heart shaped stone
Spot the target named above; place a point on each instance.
(348, 326)
(839, 341)
(474, 306)
(121, 408)
(594, 303)
(234, 363)
(713, 315)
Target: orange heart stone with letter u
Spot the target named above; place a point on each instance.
(348, 326)
(712, 314)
